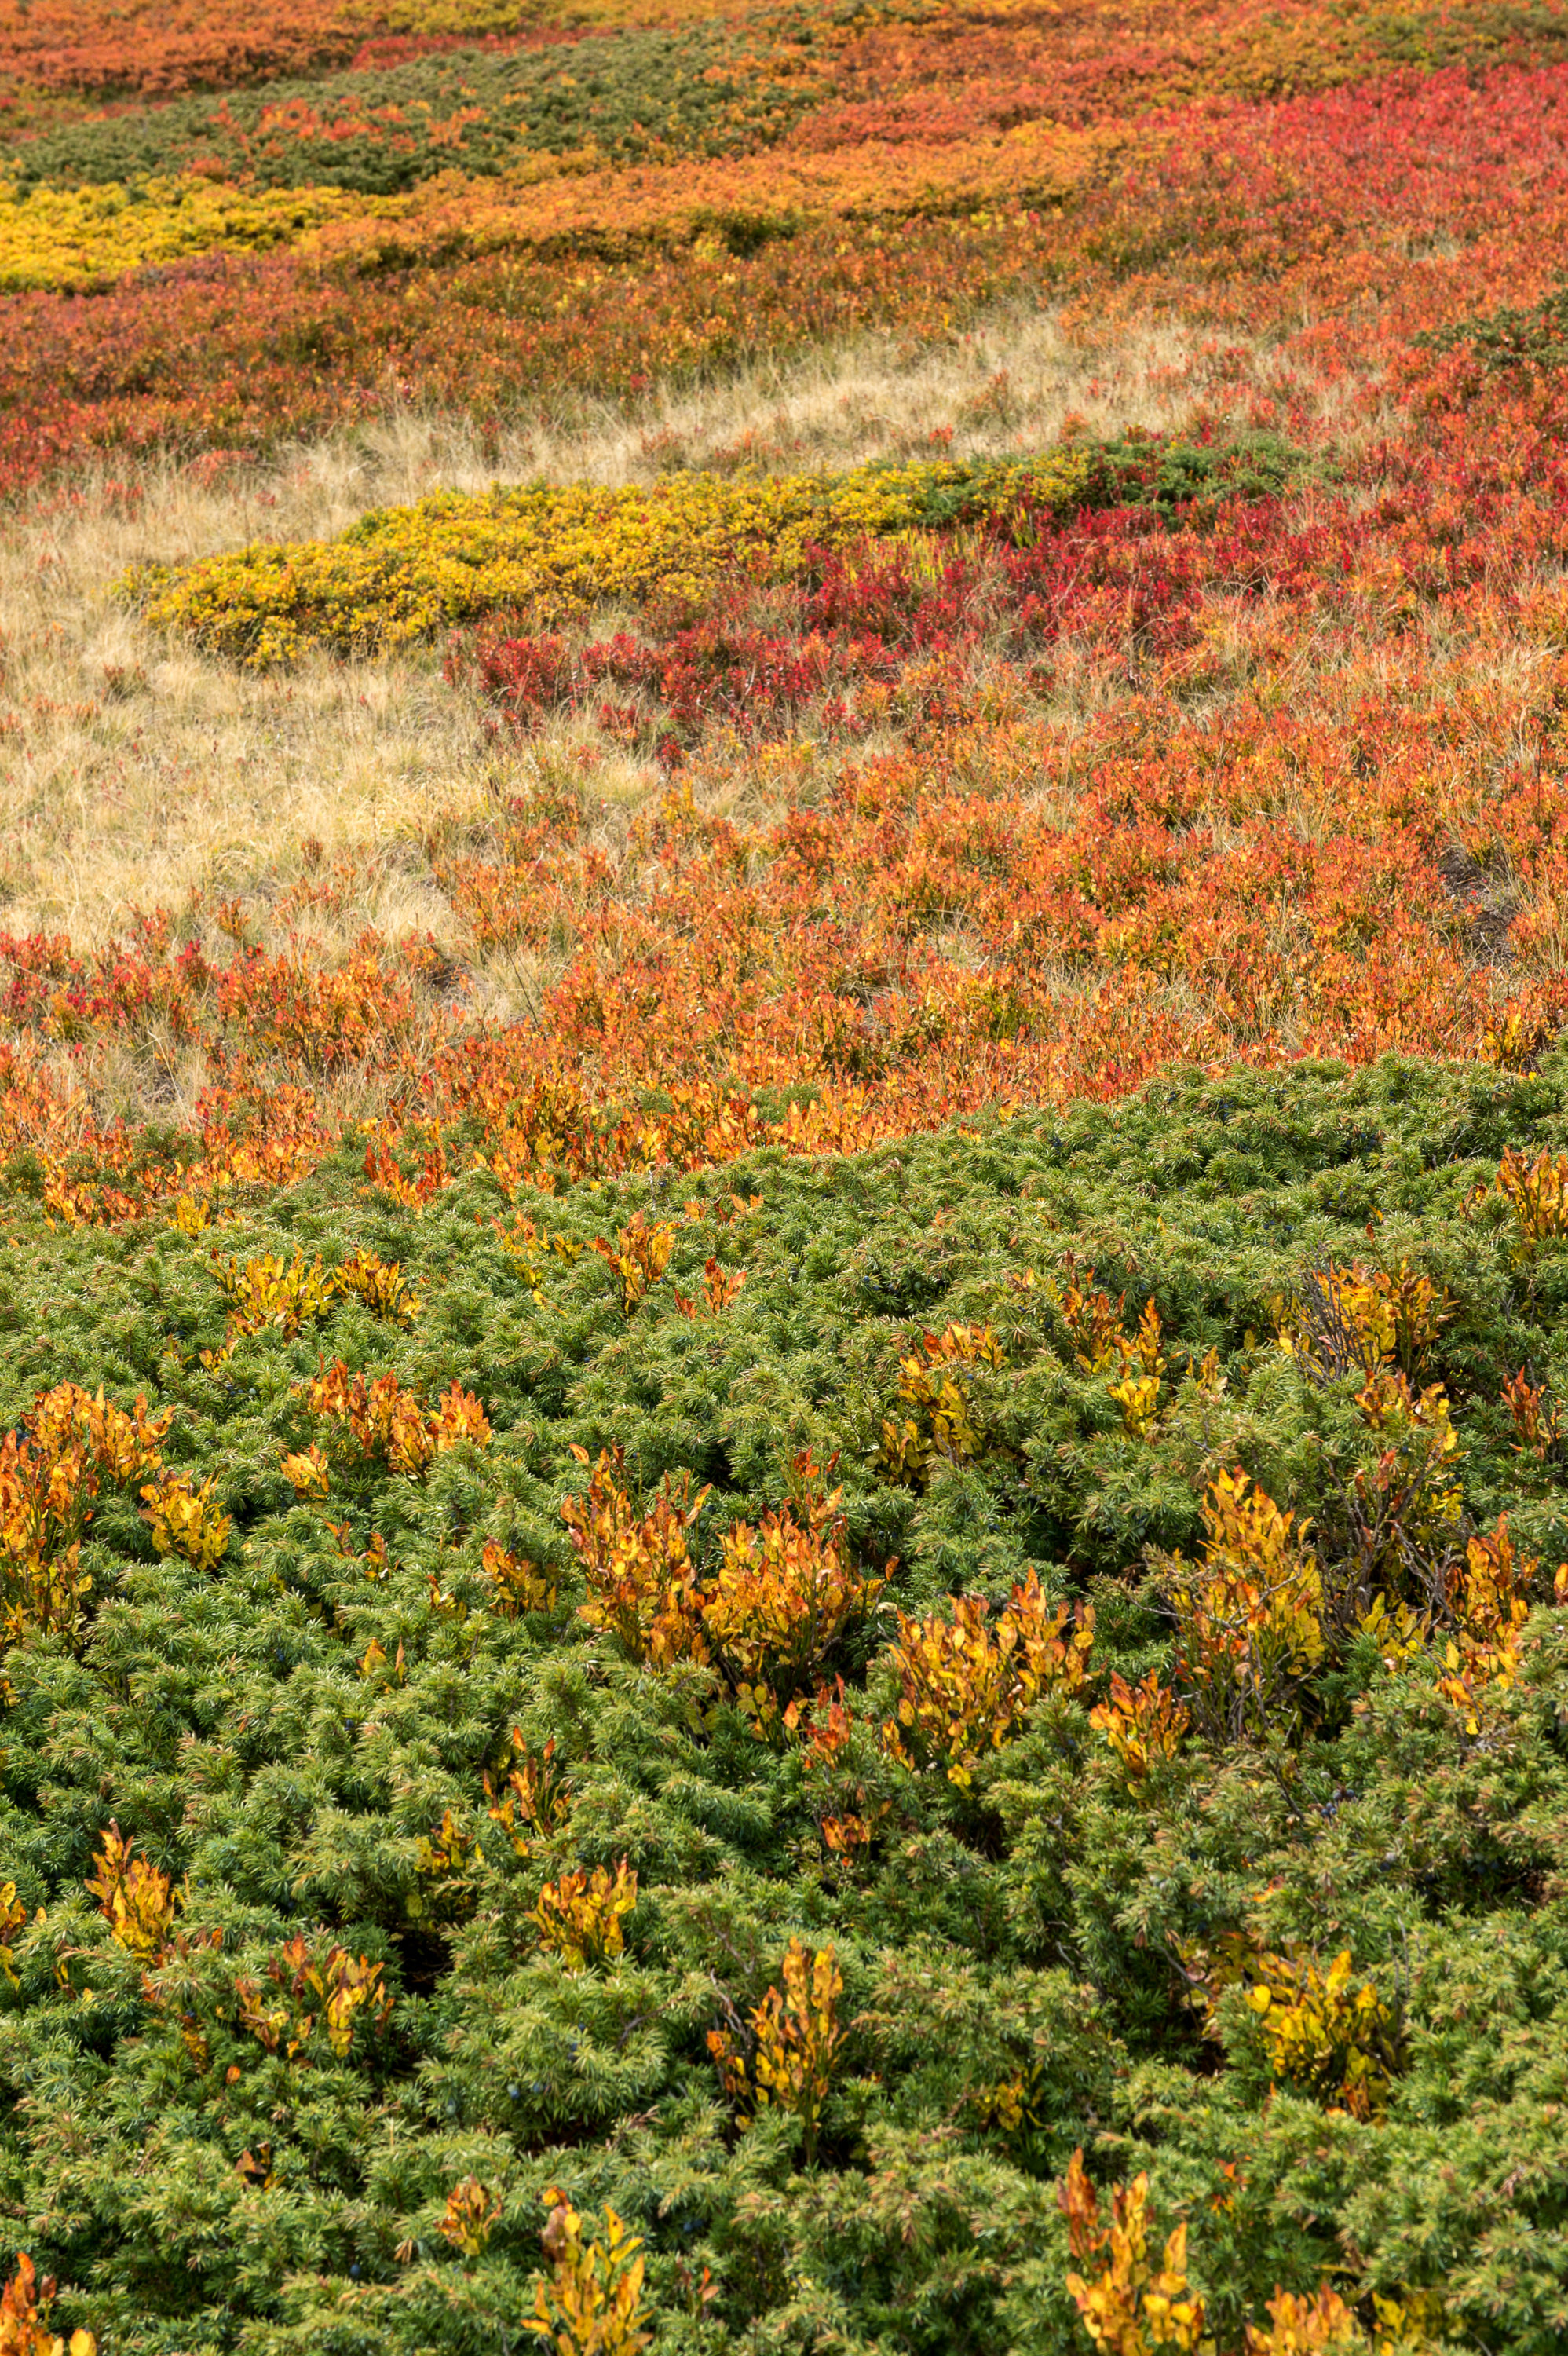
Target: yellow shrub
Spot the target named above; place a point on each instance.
(25, 2303)
(472, 2214)
(186, 1520)
(49, 1475)
(580, 1916)
(964, 1685)
(641, 1581)
(1302, 2325)
(535, 1795)
(591, 2305)
(783, 1598)
(638, 1258)
(1131, 2306)
(1360, 1317)
(945, 1422)
(85, 238)
(136, 1900)
(516, 1584)
(1141, 1723)
(793, 2043)
(560, 549)
(1538, 1192)
(1248, 1615)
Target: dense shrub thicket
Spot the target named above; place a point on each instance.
(328, 1975)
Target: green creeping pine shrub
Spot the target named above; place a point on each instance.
(322, 2107)
(624, 98)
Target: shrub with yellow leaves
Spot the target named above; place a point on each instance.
(386, 1422)
(1248, 1617)
(337, 1989)
(1537, 1192)
(1359, 1317)
(13, 1918)
(268, 1292)
(308, 1475)
(784, 1596)
(380, 1285)
(1143, 1724)
(517, 1585)
(1137, 1393)
(1303, 2326)
(785, 2056)
(964, 1684)
(136, 1900)
(642, 1580)
(1323, 2029)
(1131, 2306)
(186, 1520)
(471, 2216)
(25, 2305)
(638, 1258)
(945, 1423)
(579, 1916)
(534, 1801)
(590, 2302)
(49, 1475)
(1092, 1320)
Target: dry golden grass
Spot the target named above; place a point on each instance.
(139, 774)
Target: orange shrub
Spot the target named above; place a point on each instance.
(964, 1685)
(136, 1900)
(580, 1915)
(1248, 1625)
(385, 1420)
(787, 2057)
(1131, 2306)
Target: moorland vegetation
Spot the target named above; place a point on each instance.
(783, 1159)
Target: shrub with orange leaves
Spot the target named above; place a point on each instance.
(1143, 1724)
(638, 1258)
(783, 1598)
(1537, 1191)
(25, 2305)
(720, 1286)
(786, 2055)
(186, 1520)
(1094, 1321)
(579, 1916)
(136, 1900)
(307, 1473)
(1302, 2325)
(590, 2304)
(336, 1988)
(471, 2216)
(387, 1421)
(535, 1799)
(945, 1422)
(965, 1686)
(49, 1475)
(516, 1584)
(641, 1581)
(1248, 1617)
(1537, 1420)
(848, 1812)
(1131, 2306)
